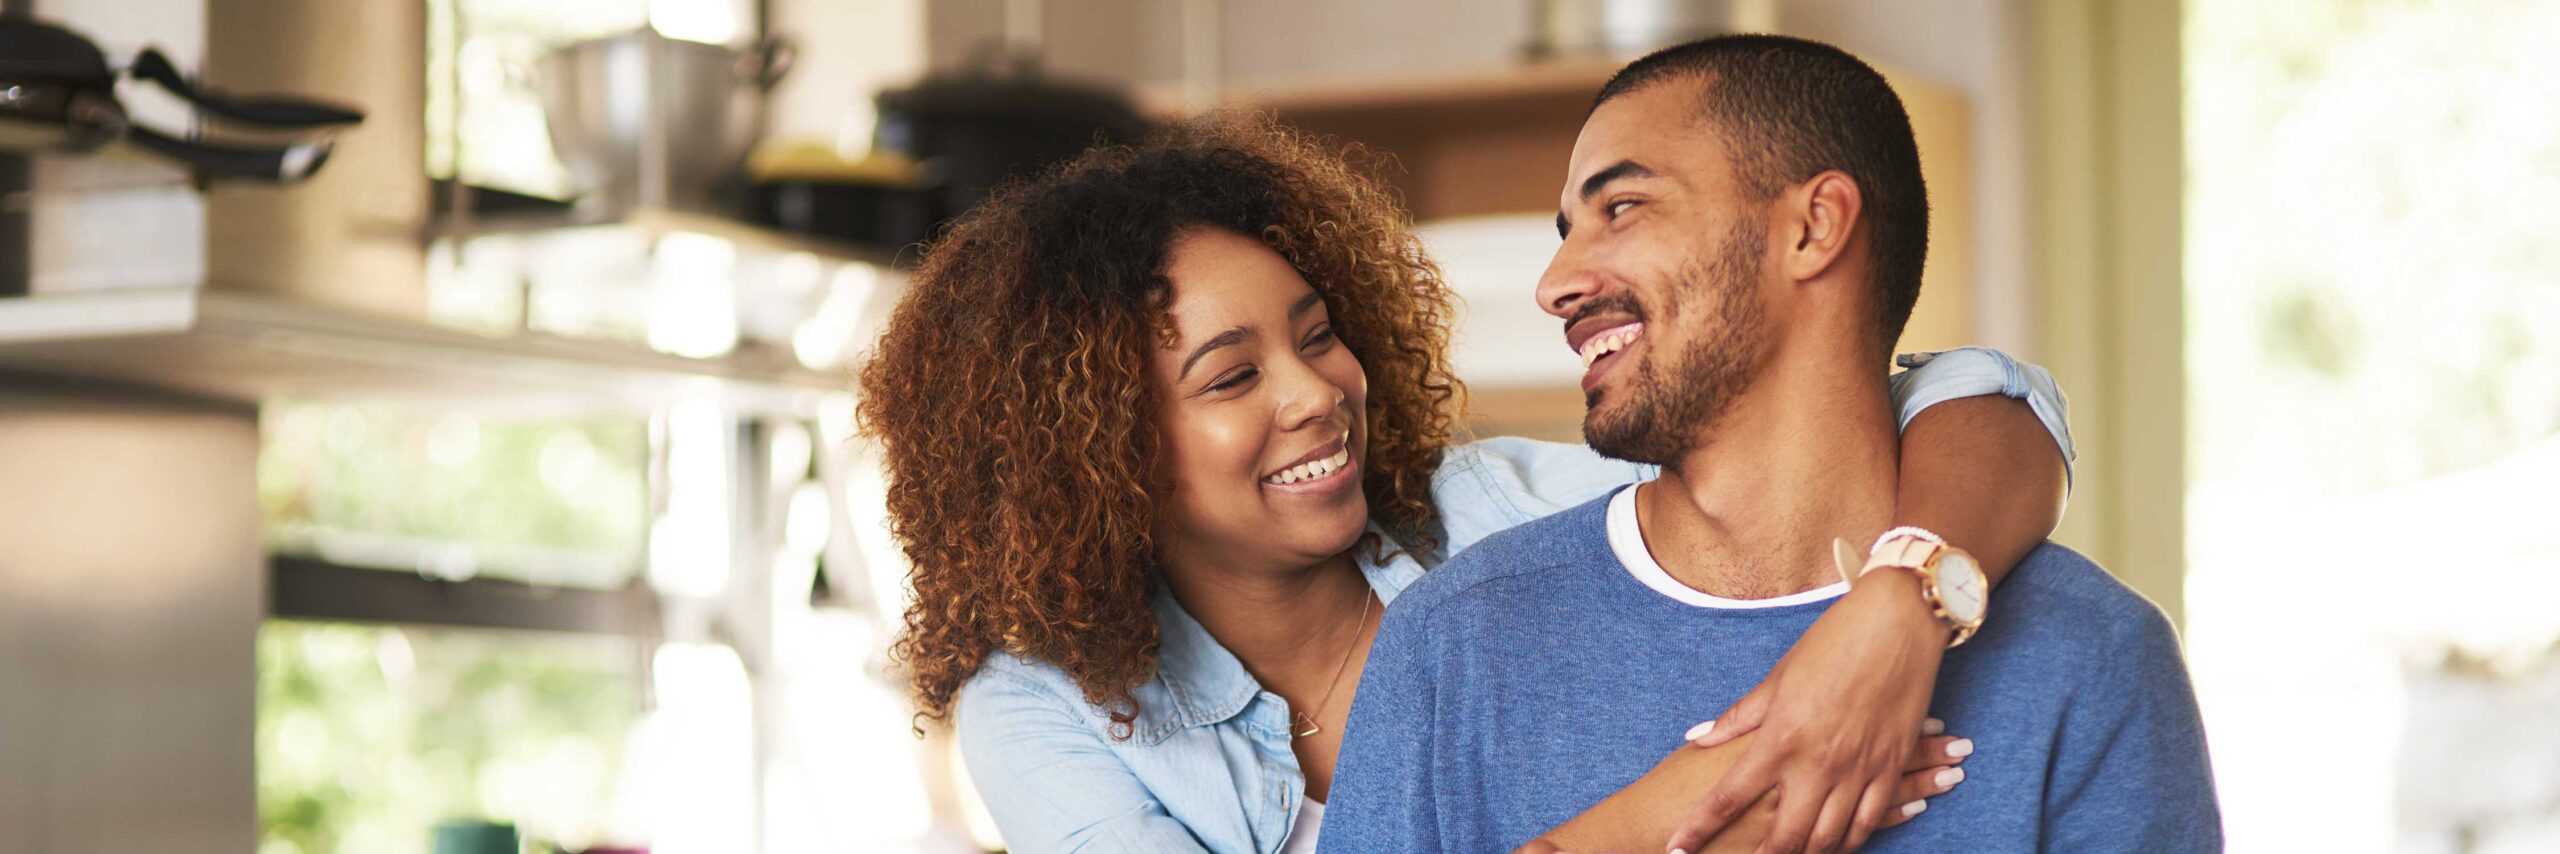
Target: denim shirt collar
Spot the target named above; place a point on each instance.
(1199, 683)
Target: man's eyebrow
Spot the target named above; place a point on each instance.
(1233, 336)
(1622, 169)
(1600, 180)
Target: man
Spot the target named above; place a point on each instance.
(1744, 223)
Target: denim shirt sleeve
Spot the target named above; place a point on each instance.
(1047, 778)
(1935, 378)
(1489, 485)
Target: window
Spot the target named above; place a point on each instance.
(457, 494)
(2373, 333)
(371, 736)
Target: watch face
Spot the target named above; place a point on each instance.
(1961, 587)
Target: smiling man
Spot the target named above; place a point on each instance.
(1744, 226)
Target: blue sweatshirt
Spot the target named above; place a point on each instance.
(1524, 681)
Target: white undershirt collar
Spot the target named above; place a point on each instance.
(1626, 537)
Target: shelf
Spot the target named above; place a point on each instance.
(246, 348)
(307, 589)
(661, 221)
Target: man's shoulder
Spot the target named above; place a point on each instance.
(2066, 599)
(1558, 542)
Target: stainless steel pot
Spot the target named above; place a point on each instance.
(640, 119)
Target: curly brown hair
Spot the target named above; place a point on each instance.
(1011, 397)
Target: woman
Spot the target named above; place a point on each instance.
(1118, 404)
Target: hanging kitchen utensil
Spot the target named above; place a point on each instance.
(58, 93)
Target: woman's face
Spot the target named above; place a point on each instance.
(1263, 412)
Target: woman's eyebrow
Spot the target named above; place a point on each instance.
(1233, 336)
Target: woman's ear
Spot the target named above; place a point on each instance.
(1823, 214)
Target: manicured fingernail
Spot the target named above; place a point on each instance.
(1913, 808)
(1960, 748)
(1933, 726)
(1951, 776)
(1698, 732)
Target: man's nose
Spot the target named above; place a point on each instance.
(1568, 282)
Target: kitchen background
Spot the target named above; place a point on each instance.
(480, 476)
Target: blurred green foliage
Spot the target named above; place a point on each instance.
(568, 485)
(2373, 239)
(370, 736)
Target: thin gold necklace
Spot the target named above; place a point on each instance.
(1302, 724)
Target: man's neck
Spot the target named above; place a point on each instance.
(1806, 454)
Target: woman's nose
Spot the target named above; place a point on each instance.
(1305, 394)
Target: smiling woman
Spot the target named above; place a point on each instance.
(1021, 475)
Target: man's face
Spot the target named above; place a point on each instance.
(1658, 280)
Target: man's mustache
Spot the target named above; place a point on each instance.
(1614, 303)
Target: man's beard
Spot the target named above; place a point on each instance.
(1673, 398)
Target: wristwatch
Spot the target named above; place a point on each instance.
(1951, 581)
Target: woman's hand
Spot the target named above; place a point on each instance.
(1930, 772)
(1833, 723)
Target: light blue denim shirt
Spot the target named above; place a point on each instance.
(1208, 766)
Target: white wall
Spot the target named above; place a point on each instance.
(1980, 48)
(847, 51)
(101, 222)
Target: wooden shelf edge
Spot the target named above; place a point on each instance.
(247, 348)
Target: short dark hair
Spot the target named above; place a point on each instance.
(1794, 108)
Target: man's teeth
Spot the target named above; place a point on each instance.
(1608, 342)
(1312, 470)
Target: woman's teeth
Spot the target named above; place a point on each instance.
(1312, 470)
(1609, 342)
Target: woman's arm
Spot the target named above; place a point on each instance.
(1989, 473)
(1986, 473)
(1047, 778)
(1982, 473)
(1638, 817)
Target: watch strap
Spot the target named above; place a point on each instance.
(1913, 531)
(1902, 553)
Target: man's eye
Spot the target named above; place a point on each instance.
(1618, 207)
(1233, 380)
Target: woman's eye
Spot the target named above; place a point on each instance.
(1320, 340)
(1233, 380)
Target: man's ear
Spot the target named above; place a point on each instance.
(1823, 214)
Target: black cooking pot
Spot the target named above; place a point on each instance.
(973, 130)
